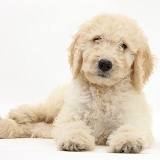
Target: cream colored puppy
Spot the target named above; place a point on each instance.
(111, 61)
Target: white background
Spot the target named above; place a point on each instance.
(35, 35)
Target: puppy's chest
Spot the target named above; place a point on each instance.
(100, 109)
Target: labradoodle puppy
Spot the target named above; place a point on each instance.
(103, 104)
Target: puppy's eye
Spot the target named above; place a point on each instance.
(124, 46)
(97, 39)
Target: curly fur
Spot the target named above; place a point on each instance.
(95, 108)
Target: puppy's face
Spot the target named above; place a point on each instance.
(106, 60)
(106, 48)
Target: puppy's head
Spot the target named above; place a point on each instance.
(109, 48)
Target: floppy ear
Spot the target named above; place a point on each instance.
(75, 57)
(142, 68)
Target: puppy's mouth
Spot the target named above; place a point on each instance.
(104, 75)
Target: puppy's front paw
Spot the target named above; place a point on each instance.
(126, 144)
(127, 139)
(126, 147)
(77, 143)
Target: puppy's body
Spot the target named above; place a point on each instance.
(103, 104)
(104, 110)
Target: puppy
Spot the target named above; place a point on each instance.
(103, 104)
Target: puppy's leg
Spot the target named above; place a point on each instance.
(128, 139)
(41, 130)
(73, 136)
(31, 114)
(11, 129)
(46, 111)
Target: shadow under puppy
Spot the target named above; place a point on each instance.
(103, 104)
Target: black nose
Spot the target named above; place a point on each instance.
(104, 65)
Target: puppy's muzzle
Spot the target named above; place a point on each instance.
(104, 65)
